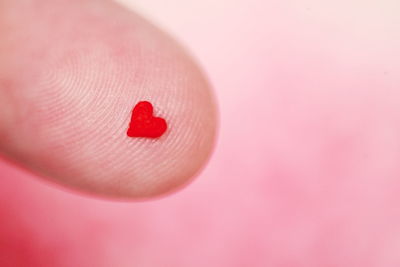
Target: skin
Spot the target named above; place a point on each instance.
(306, 176)
(70, 74)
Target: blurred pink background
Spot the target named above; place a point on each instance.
(307, 168)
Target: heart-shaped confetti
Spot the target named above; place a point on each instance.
(144, 124)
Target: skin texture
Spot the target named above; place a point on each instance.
(306, 171)
(70, 74)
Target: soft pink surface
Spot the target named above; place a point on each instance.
(307, 169)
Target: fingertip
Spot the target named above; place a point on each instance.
(75, 104)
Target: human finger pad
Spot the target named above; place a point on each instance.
(72, 77)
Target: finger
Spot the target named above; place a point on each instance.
(71, 73)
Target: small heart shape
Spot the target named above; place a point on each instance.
(144, 124)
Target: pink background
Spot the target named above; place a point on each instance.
(306, 171)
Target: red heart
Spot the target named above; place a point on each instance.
(144, 124)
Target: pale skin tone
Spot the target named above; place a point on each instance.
(307, 176)
(70, 74)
